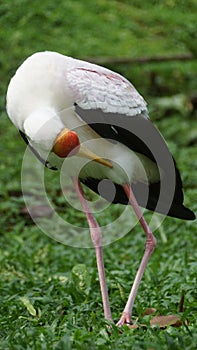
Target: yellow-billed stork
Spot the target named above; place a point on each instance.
(58, 104)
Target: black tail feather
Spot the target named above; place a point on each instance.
(175, 209)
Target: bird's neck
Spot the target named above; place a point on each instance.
(42, 126)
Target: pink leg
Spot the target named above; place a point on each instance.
(149, 248)
(96, 236)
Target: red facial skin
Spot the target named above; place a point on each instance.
(66, 144)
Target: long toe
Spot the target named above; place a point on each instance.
(125, 319)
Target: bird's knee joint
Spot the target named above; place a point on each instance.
(151, 242)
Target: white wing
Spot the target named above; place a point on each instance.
(94, 87)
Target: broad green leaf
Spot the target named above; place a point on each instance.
(26, 302)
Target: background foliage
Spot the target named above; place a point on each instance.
(50, 295)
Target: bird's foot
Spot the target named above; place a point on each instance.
(125, 319)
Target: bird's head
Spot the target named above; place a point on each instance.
(68, 144)
(47, 133)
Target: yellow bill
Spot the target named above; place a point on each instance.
(67, 144)
(86, 153)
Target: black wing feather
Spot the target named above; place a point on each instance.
(141, 136)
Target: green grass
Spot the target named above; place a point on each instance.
(62, 308)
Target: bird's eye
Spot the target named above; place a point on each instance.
(66, 144)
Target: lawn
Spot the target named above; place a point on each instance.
(50, 297)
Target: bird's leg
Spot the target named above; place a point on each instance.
(96, 236)
(149, 248)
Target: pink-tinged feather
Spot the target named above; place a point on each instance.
(105, 90)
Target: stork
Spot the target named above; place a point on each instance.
(59, 104)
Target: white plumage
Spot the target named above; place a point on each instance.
(40, 102)
(50, 96)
